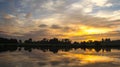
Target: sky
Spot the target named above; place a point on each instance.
(77, 20)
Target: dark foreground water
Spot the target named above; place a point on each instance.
(71, 58)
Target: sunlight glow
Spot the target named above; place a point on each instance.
(96, 31)
(92, 30)
(87, 30)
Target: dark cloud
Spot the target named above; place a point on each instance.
(43, 33)
(2, 32)
(116, 20)
(6, 35)
(56, 27)
(43, 25)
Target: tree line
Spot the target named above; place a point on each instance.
(61, 42)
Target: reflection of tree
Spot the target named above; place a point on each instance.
(97, 49)
(29, 48)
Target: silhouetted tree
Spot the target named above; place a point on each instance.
(20, 41)
(28, 41)
(76, 43)
(54, 41)
(44, 41)
(97, 43)
(66, 41)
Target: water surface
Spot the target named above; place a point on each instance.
(62, 58)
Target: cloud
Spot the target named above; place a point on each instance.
(101, 3)
(56, 27)
(13, 24)
(87, 6)
(53, 5)
(43, 25)
(8, 16)
(110, 15)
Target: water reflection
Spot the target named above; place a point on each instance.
(52, 49)
(88, 59)
(59, 57)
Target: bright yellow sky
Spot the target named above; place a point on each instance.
(87, 30)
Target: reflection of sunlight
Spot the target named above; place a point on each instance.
(93, 51)
(88, 51)
(87, 59)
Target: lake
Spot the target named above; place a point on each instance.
(80, 57)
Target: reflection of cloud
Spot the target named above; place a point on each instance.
(88, 59)
(23, 59)
(38, 58)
